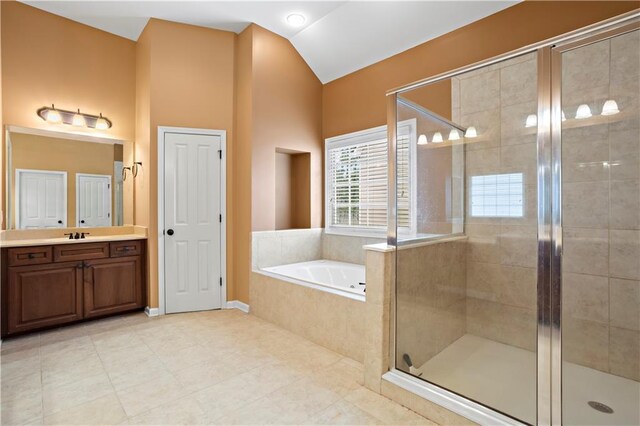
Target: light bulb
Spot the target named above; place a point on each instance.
(583, 111)
(454, 135)
(422, 140)
(78, 120)
(471, 132)
(437, 137)
(53, 116)
(532, 121)
(296, 20)
(610, 107)
(564, 118)
(101, 123)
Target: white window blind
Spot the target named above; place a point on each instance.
(497, 195)
(357, 181)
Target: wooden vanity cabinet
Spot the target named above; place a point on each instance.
(44, 286)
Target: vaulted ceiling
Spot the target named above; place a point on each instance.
(337, 38)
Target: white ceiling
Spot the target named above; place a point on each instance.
(339, 37)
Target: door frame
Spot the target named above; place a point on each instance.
(162, 131)
(78, 176)
(64, 187)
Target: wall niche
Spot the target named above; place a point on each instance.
(293, 189)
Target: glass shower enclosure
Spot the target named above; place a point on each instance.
(516, 222)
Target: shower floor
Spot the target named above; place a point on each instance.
(504, 377)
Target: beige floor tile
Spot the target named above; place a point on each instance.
(138, 399)
(115, 339)
(175, 360)
(56, 398)
(23, 410)
(18, 387)
(185, 411)
(343, 413)
(20, 363)
(208, 373)
(384, 409)
(29, 341)
(66, 370)
(102, 411)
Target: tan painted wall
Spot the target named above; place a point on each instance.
(185, 79)
(242, 163)
(287, 101)
(45, 153)
(88, 69)
(357, 101)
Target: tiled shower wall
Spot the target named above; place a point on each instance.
(501, 252)
(601, 207)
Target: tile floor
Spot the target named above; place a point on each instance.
(216, 367)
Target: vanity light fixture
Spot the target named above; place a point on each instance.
(51, 115)
(471, 132)
(437, 137)
(454, 135)
(102, 123)
(73, 118)
(296, 20)
(610, 107)
(78, 120)
(583, 112)
(532, 121)
(422, 140)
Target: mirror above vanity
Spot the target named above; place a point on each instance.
(65, 180)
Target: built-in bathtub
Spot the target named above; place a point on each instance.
(309, 283)
(341, 278)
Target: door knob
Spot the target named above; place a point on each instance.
(60, 221)
(82, 221)
(169, 231)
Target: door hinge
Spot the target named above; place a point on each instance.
(220, 218)
(220, 281)
(108, 186)
(220, 153)
(108, 214)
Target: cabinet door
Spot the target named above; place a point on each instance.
(44, 295)
(112, 285)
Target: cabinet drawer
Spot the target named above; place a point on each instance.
(80, 251)
(126, 248)
(29, 255)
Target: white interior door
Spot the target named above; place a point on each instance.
(192, 225)
(93, 200)
(41, 199)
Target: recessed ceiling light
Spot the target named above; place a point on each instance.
(296, 20)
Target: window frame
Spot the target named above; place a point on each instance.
(406, 127)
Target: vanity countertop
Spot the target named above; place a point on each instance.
(66, 240)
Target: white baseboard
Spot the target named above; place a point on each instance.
(236, 304)
(152, 312)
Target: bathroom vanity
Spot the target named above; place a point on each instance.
(48, 284)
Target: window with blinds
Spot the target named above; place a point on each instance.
(356, 171)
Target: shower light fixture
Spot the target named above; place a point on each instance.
(471, 132)
(437, 137)
(78, 120)
(296, 20)
(73, 118)
(583, 112)
(610, 107)
(422, 140)
(454, 135)
(532, 121)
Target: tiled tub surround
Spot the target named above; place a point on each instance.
(331, 320)
(601, 208)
